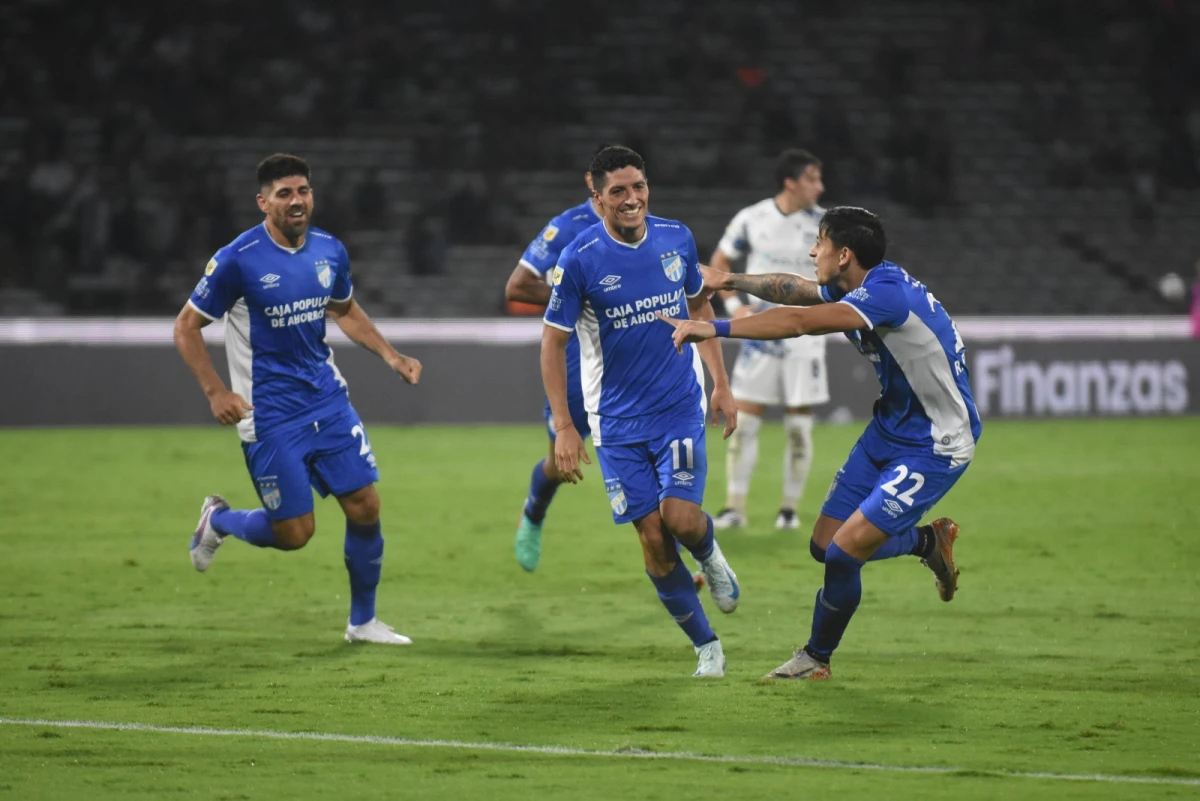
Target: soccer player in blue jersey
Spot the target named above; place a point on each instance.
(528, 284)
(645, 405)
(922, 435)
(274, 285)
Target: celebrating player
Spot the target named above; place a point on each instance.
(645, 404)
(528, 284)
(775, 235)
(923, 433)
(274, 285)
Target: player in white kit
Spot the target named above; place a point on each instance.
(775, 235)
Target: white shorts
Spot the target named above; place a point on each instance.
(787, 373)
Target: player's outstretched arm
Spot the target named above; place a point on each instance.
(785, 288)
(525, 286)
(772, 324)
(568, 444)
(733, 304)
(356, 325)
(723, 403)
(228, 407)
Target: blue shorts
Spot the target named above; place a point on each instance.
(333, 456)
(639, 476)
(579, 417)
(892, 485)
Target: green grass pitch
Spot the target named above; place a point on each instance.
(1070, 649)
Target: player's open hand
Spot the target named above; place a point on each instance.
(688, 330)
(723, 405)
(714, 279)
(229, 407)
(568, 453)
(408, 368)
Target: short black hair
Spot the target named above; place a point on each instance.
(611, 158)
(600, 148)
(856, 229)
(281, 165)
(792, 162)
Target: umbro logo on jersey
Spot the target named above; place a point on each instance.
(684, 477)
(894, 509)
(611, 282)
(270, 281)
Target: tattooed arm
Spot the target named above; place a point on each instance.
(784, 288)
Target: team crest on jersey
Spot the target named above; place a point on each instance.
(324, 273)
(616, 496)
(673, 266)
(268, 490)
(211, 267)
(550, 232)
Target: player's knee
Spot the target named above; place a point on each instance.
(292, 535)
(362, 507)
(657, 545)
(686, 520)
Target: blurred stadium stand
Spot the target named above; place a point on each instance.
(1028, 157)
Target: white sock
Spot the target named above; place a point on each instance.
(797, 457)
(740, 457)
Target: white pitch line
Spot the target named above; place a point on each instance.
(630, 753)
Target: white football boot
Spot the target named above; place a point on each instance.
(722, 581)
(787, 519)
(802, 665)
(206, 539)
(729, 518)
(375, 630)
(711, 663)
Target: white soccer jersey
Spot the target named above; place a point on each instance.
(771, 241)
(789, 372)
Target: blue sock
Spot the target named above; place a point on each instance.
(364, 563)
(249, 525)
(817, 551)
(900, 545)
(541, 492)
(836, 601)
(704, 548)
(678, 595)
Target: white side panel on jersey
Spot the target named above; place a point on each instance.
(337, 374)
(920, 355)
(591, 365)
(241, 362)
(698, 366)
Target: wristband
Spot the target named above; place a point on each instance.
(732, 304)
(722, 327)
(563, 428)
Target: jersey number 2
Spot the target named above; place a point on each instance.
(893, 486)
(359, 432)
(687, 448)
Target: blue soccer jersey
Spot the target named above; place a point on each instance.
(539, 258)
(274, 302)
(920, 360)
(608, 292)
